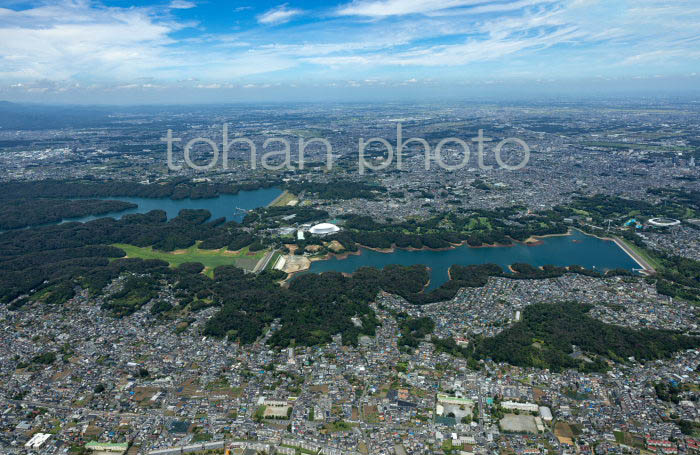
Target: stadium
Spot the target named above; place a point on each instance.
(664, 222)
(324, 229)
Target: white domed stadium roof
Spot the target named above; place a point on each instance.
(664, 222)
(324, 228)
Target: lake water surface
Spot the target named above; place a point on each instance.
(574, 249)
(230, 206)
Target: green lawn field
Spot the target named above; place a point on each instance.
(211, 259)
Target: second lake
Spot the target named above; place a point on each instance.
(229, 206)
(576, 248)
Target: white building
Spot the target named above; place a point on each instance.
(37, 440)
(546, 413)
(324, 229)
(527, 407)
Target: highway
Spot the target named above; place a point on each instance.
(189, 449)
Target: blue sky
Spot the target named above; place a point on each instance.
(205, 50)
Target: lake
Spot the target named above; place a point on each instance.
(230, 206)
(577, 248)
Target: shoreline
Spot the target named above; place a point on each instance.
(393, 248)
(533, 240)
(641, 262)
(646, 267)
(272, 202)
(276, 200)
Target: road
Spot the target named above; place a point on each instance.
(73, 409)
(362, 418)
(188, 449)
(262, 263)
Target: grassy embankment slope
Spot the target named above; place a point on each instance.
(283, 199)
(644, 254)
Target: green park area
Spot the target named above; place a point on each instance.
(211, 259)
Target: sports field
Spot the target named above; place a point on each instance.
(211, 259)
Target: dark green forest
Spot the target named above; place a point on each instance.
(39, 202)
(177, 188)
(476, 228)
(337, 189)
(49, 263)
(546, 336)
(19, 213)
(547, 333)
(413, 330)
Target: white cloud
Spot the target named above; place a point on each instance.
(490, 8)
(662, 55)
(490, 40)
(76, 41)
(72, 39)
(278, 15)
(382, 8)
(182, 4)
(81, 40)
